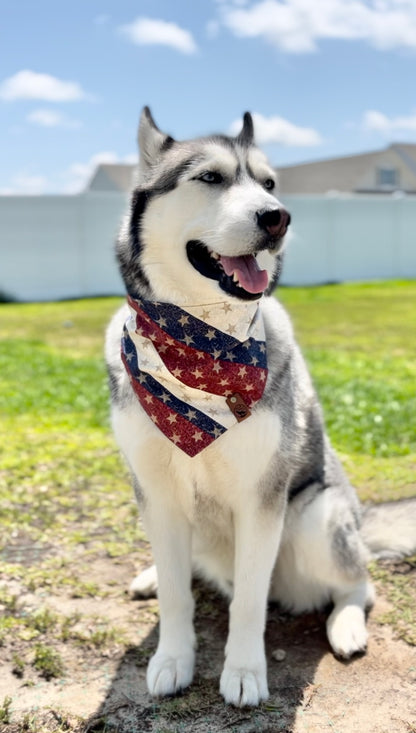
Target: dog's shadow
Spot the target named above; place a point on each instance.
(294, 647)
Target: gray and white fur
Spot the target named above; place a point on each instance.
(266, 511)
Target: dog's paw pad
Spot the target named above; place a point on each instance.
(167, 675)
(242, 687)
(145, 584)
(347, 632)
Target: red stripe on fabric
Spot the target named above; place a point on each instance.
(200, 370)
(180, 431)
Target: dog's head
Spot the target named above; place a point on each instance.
(204, 218)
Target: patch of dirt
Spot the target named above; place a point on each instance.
(24, 551)
(103, 688)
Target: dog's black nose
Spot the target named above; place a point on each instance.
(274, 222)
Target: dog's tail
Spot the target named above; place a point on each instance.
(389, 530)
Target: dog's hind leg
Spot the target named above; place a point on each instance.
(145, 584)
(351, 591)
(346, 628)
(322, 560)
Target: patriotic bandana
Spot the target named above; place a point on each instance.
(196, 372)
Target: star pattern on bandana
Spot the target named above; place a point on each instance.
(197, 355)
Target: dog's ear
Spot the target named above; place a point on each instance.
(246, 136)
(152, 141)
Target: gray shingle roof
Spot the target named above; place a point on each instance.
(353, 173)
(112, 177)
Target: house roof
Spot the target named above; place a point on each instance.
(338, 174)
(353, 173)
(112, 177)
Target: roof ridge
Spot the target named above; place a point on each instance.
(335, 159)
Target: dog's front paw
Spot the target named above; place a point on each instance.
(167, 675)
(346, 631)
(145, 584)
(241, 686)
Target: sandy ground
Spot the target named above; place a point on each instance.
(104, 689)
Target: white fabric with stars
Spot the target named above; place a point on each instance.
(241, 321)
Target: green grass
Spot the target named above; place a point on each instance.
(5, 710)
(61, 477)
(360, 345)
(60, 472)
(47, 662)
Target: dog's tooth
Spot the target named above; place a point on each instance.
(215, 256)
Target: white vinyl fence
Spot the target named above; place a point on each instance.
(355, 238)
(55, 247)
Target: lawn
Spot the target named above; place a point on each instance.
(60, 473)
(56, 450)
(64, 492)
(360, 343)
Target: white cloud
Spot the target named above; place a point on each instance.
(278, 130)
(28, 84)
(71, 181)
(51, 118)
(379, 122)
(150, 31)
(296, 26)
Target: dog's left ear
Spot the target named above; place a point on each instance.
(246, 136)
(152, 141)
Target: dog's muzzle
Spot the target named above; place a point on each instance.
(241, 275)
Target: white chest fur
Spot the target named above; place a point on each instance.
(229, 471)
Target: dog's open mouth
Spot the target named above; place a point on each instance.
(239, 276)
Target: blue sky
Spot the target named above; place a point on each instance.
(323, 77)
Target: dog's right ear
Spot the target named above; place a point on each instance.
(152, 141)
(246, 136)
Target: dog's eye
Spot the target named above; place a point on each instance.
(211, 177)
(269, 184)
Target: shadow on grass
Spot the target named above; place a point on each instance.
(128, 708)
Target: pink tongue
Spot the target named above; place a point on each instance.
(250, 277)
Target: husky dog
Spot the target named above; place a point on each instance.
(216, 415)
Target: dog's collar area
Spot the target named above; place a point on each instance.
(237, 276)
(194, 380)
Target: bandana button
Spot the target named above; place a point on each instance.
(238, 407)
